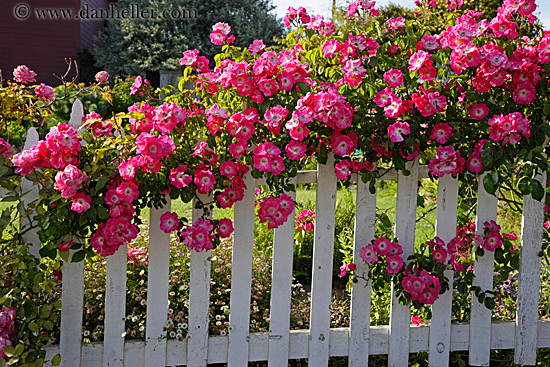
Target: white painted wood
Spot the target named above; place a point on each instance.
(480, 316)
(77, 112)
(115, 308)
(72, 297)
(241, 277)
(157, 290)
(31, 195)
(199, 301)
(72, 304)
(445, 228)
(502, 337)
(365, 219)
(323, 250)
(405, 225)
(529, 278)
(281, 287)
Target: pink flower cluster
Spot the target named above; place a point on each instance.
(299, 14)
(493, 67)
(445, 253)
(368, 5)
(382, 246)
(163, 118)
(396, 24)
(235, 192)
(446, 161)
(475, 163)
(509, 128)
(492, 239)
(199, 236)
(118, 230)
(275, 211)
(324, 28)
(22, 74)
(138, 256)
(169, 222)
(98, 126)
(270, 73)
(393, 105)
(7, 329)
(345, 268)
(58, 151)
(151, 150)
(6, 150)
(44, 92)
(220, 34)
(267, 158)
(102, 77)
(421, 285)
(192, 58)
(305, 221)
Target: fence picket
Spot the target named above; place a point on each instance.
(279, 318)
(323, 250)
(529, 278)
(28, 187)
(365, 217)
(157, 290)
(241, 277)
(72, 304)
(199, 301)
(115, 309)
(405, 224)
(72, 297)
(445, 228)
(480, 316)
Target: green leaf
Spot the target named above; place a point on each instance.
(101, 183)
(78, 256)
(9, 351)
(489, 303)
(19, 349)
(399, 162)
(537, 191)
(385, 221)
(546, 110)
(323, 155)
(372, 186)
(33, 327)
(56, 360)
(487, 156)
(489, 186)
(102, 212)
(524, 185)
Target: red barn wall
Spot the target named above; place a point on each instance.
(42, 45)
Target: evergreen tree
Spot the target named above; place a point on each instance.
(136, 46)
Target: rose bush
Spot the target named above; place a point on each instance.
(469, 100)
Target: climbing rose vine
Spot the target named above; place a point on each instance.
(466, 100)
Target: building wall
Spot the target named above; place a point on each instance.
(42, 45)
(90, 27)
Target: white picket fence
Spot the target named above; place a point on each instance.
(320, 342)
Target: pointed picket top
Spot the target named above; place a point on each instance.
(31, 195)
(77, 113)
(32, 138)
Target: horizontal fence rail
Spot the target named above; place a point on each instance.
(502, 337)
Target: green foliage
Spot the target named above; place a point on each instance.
(132, 47)
(26, 283)
(109, 101)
